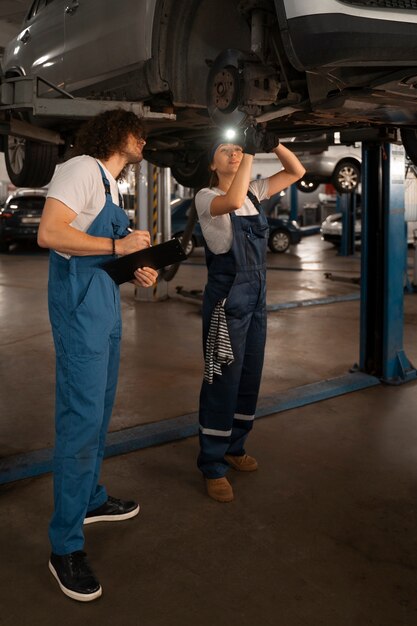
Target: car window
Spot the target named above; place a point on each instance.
(37, 6)
(34, 203)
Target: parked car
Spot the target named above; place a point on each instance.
(282, 233)
(338, 165)
(180, 210)
(300, 67)
(20, 216)
(332, 228)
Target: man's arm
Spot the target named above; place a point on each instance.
(55, 232)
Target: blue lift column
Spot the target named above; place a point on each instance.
(346, 205)
(383, 264)
(293, 203)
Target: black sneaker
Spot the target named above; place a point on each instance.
(75, 577)
(113, 510)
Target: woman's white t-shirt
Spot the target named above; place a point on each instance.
(217, 230)
(79, 185)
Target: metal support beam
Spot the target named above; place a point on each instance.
(20, 466)
(346, 205)
(155, 217)
(43, 99)
(293, 203)
(383, 265)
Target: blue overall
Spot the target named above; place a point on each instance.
(227, 406)
(84, 310)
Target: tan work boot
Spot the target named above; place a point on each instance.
(219, 489)
(244, 463)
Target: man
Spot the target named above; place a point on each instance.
(84, 225)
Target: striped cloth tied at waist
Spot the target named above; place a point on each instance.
(218, 347)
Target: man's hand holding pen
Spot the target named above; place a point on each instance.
(134, 241)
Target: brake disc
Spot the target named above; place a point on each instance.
(225, 88)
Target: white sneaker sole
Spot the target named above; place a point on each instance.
(112, 518)
(81, 597)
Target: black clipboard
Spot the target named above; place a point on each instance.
(123, 269)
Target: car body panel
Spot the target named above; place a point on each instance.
(39, 46)
(336, 33)
(331, 229)
(93, 40)
(293, 230)
(99, 48)
(321, 165)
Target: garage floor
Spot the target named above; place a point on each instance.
(324, 534)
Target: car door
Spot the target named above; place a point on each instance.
(104, 38)
(348, 32)
(38, 48)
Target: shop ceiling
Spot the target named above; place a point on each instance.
(12, 13)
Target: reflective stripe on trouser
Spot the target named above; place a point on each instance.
(228, 405)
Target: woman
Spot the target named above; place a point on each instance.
(234, 308)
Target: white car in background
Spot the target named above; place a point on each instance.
(332, 228)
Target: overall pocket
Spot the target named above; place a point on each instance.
(95, 316)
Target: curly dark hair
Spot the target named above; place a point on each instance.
(106, 133)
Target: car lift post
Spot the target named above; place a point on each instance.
(153, 213)
(346, 205)
(383, 264)
(293, 203)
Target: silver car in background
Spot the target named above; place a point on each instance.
(338, 165)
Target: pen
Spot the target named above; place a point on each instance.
(131, 231)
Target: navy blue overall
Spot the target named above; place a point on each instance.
(84, 310)
(227, 406)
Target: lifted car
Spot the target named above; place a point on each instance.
(338, 165)
(296, 65)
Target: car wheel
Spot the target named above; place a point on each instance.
(225, 87)
(193, 173)
(279, 241)
(346, 176)
(190, 245)
(307, 185)
(28, 163)
(409, 139)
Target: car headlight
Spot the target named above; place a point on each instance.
(294, 223)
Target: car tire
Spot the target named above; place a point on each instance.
(306, 185)
(29, 163)
(192, 173)
(189, 249)
(279, 241)
(346, 176)
(409, 139)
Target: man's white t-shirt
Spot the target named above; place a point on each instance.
(217, 230)
(79, 185)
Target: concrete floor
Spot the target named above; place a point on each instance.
(324, 534)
